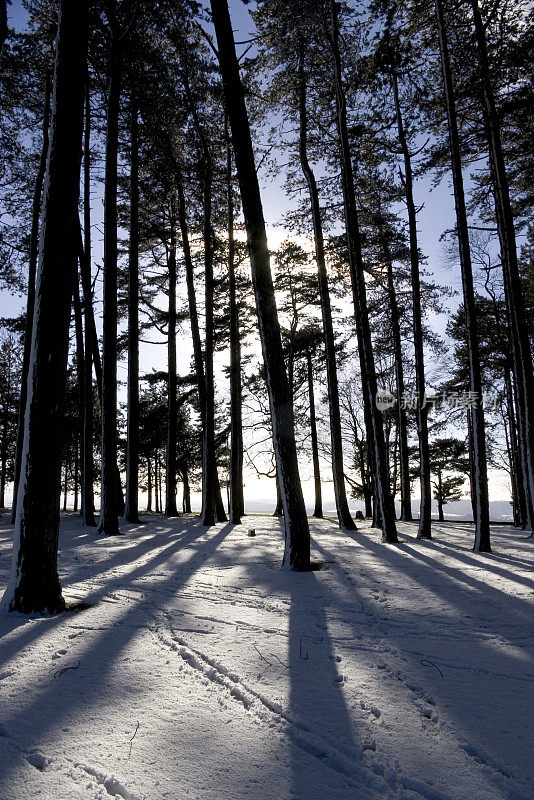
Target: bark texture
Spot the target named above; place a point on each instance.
(478, 435)
(342, 507)
(109, 506)
(34, 582)
(131, 509)
(30, 300)
(369, 383)
(297, 553)
(521, 352)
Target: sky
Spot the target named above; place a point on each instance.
(435, 216)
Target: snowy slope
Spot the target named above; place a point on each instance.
(201, 671)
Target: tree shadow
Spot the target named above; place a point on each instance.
(463, 652)
(48, 707)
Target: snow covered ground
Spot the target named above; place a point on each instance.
(201, 671)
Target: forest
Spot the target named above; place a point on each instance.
(277, 256)
(133, 136)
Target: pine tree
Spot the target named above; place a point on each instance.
(34, 582)
(297, 554)
(478, 443)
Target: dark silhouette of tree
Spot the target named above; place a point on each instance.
(478, 444)
(296, 524)
(34, 583)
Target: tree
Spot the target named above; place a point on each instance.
(447, 456)
(390, 61)
(297, 554)
(521, 347)
(34, 582)
(354, 246)
(109, 509)
(131, 510)
(30, 299)
(480, 487)
(10, 374)
(236, 504)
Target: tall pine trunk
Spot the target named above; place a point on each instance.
(80, 369)
(402, 423)
(193, 320)
(149, 483)
(342, 507)
(87, 499)
(30, 300)
(425, 507)
(109, 507)
(208, 513)
(170, 459)
(131, 510)
(297, 551)
(318, 506)
(478, 436)
(521, 352)
(34, 582)
(369, 382)
(186, 500)
(236, 503)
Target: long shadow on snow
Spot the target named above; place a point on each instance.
(49, 708)
(316, 693)
(391, 627)
(326, 753)
(393, 555)
(170, 538)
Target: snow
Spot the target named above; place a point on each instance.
(199, 670)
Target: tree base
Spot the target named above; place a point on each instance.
(31, 602)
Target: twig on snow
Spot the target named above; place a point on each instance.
(280, 660)
(425, 662)
(260, 655)
(131, 740)
(59, 672)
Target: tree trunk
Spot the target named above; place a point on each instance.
(518, 486)
(172, 408)
(5, 432)
(318, 507)
(30, 300)
(402, 423)
(480, 487)
(425, 507)
(186, 502)
(297, 551)
(209, 467)
(279, 508)
(521, 352)
(3, 23)
(193, 319)
(109, 510)
(34, 582)
(236, 501)
(76, 468)
(131, 510)
(156, 482)
(80, 365)
(87, 499)
(66, 483)
(381, 475)
(149, 483)
(344, 517)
